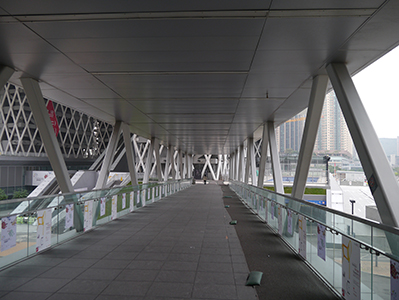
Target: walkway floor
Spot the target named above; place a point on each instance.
(181, 247)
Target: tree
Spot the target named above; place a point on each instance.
(3, 195)
(20, 194)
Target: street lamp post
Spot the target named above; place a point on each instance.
(353, 211)
(326, 159)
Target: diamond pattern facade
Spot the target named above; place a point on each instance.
(80, 135)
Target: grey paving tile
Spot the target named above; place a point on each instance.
(99, 274)
(62, 272)
(8, 284)
(180, 266)
(216, 251)
(215, 258)
(152, 256)
(43, 285)
(79, 286)
(176, 276)
(137, 275)
(145, 265)
(120, 288)
(60, 296)
(121, 255)
(170, 290)
(215, 267)
(26, 295)
(214, 292)
(43, 261)
(204, 278)
(112, 297)
(111, 264)
(91, 254)
(184, 257)
(23, 271)
(240, 267)
(58, 252)
(78, 262)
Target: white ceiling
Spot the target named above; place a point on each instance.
(194, 74)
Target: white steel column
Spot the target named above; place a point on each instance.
(220, 165)
(316, 101)
(263, 155)
(47, 135)
(173, 165)
(148, 163)
(237, 164)
(247, 162)
(250, 167)
(129, 153)
(276, 167)
(208, 164)
(180, 164)
(5, 74)
(168, 156)
(241, 163)
(157, 159)
(109, 155)
(379, 173)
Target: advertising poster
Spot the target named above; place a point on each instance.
(394, 280)
(43, 237)
(302, 236)
(114, 207)
(289, 221)
(272, 210)
(102, 206)
(280, 219)
(69, 216)
(123, 200)
(350, 269)
(8, 233)
(88, 215)
(321, 241)
(131, 201)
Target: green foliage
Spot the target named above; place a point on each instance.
(3, 195)
(20, 194)
(308, 191)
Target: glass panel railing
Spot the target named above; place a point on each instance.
(301, 224)
(33, 224)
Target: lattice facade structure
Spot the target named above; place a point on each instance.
(80, 136)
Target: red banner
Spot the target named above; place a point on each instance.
(53, 117)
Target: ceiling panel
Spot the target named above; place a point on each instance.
(202, 106)
(202, 76)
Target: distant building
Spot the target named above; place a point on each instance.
(289, 134)
(333, 135)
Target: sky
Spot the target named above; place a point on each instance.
(378, 87)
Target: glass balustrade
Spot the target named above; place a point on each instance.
(32, 225)
(378, 244)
